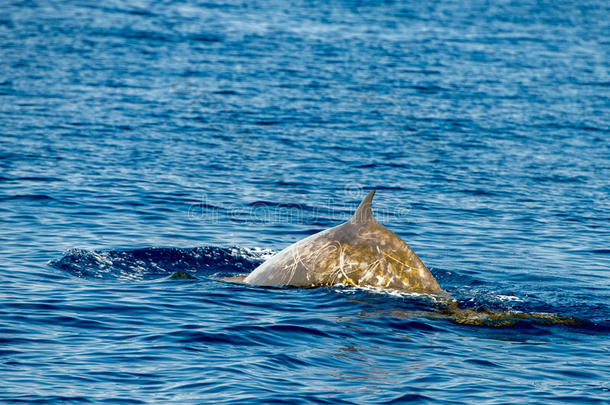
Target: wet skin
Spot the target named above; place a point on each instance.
(359, 252)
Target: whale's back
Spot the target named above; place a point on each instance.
(359, 252)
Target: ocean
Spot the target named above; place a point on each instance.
(141, 138)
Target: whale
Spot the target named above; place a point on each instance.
(359, 252)
(362, 252)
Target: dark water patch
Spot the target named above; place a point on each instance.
(479, 192)
(482, 363)
(576, 399)
(410, 398)
(51, 399)
(382, 164)
(192, 337)
(267, 123)
(27, 178)
(262, 203)
(227, 92)
(600, 84)
(28, 197)
(203, 38)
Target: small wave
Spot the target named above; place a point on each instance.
(157, 262)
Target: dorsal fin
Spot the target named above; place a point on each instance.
(364, 213)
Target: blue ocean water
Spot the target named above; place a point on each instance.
(139, 138)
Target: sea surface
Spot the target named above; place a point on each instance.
(141, 138)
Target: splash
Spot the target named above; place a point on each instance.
(152, 263)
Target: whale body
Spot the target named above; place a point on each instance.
(358, 252)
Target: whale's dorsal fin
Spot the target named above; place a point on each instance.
(364, 213)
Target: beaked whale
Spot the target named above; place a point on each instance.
(359, 252)
(362, 252)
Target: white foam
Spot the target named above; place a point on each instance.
(509, 298)
(351, 289)
(255, 253)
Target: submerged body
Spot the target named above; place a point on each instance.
(359, 252)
